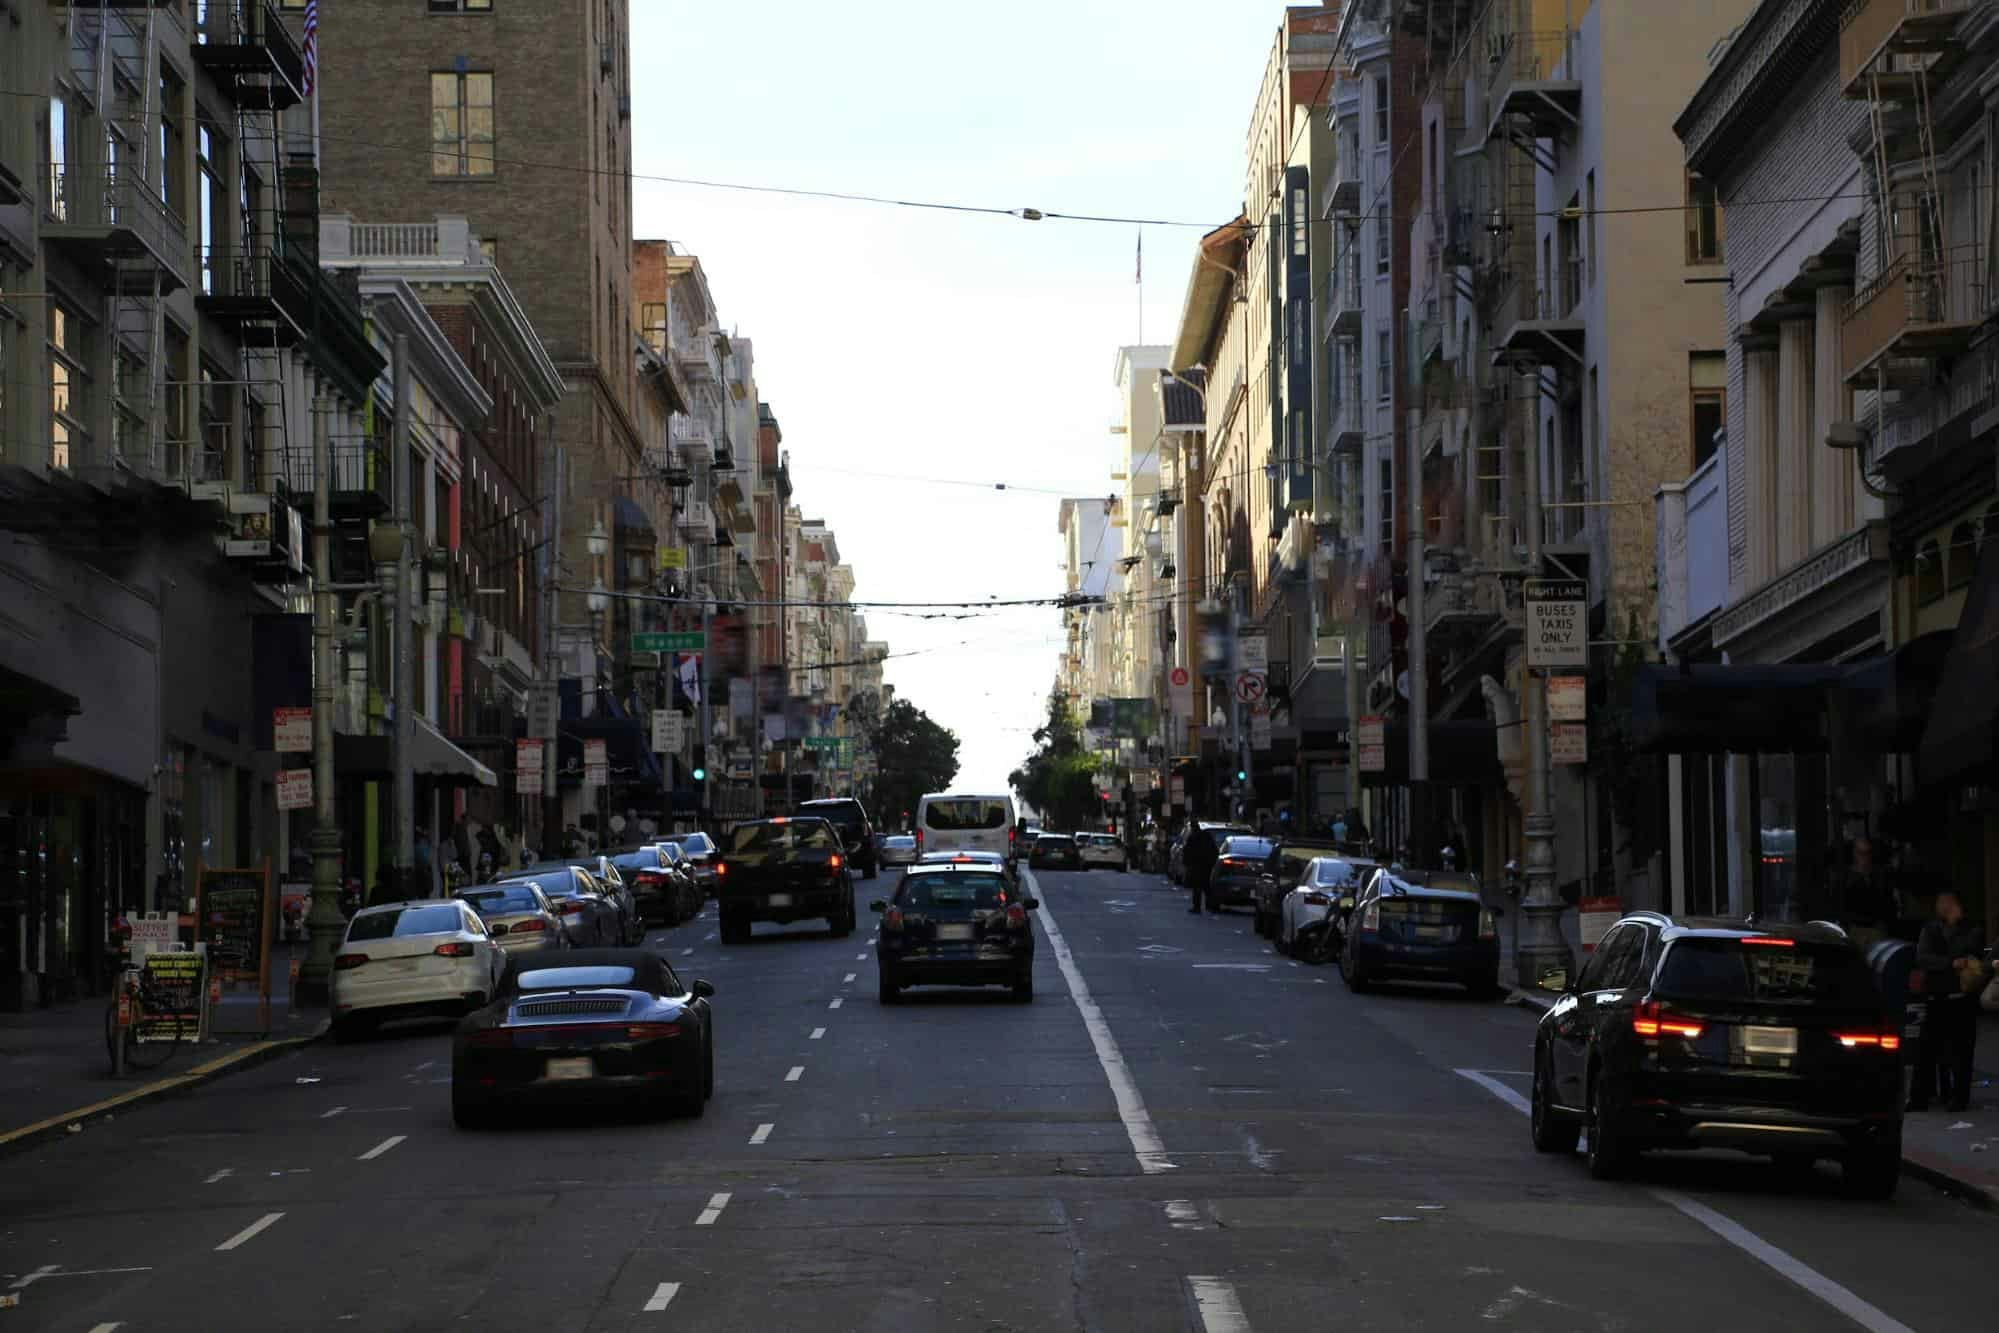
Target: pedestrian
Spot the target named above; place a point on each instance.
(422, 852)
(1197, 860)
(1948, 957)
(1867, 903)
(1339, 828)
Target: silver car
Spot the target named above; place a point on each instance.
(412, 959)
(590, 916)
(899, 849)
(520, 916)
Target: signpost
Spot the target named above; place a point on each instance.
(677, 641)
(294, 787)
(1557, 622)
(669, 730)
(1373, 745)
(527, 767)
(596, 764)
(1253, 653)
(1568, 699)
(291, 730)
(1250, 686)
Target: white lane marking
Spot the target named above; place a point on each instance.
(763, 1132)
(817, 1033)
(112, 1327)
(795, 1073)
(836, 1004)
(1138, 1127)
(661, 1295)
(1861, 1312)
(250, 1232)
(687, 953)
(328, 1115)
(381, 1147)
(221, 1173)
(29, 1279)
(57, 1270)
(848, 977)
(1235, 967)
(1216, 1301)
(716, 1203)
(860, 958)
(1184, 1215)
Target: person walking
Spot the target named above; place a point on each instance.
(1197, 862)
(1948, 956)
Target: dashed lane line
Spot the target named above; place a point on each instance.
(381, 1147)
(849, 977)
(795, 1073)
(817, 1033)
(328, 1115)
(220, 1173)
(716, 1203)
(661, 1297)
(836, 1004)
(249, 1233)
(860, 958)
(112, 1327)
(763, 1132)
(1215, 1301)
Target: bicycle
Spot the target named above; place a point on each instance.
(139, 1054)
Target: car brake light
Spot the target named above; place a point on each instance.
(1652, 1020)
(835, 861)
(1887, 1041)
(571, 906)
(1370, 920)
(652, 1031)
(453, 949)
(919, 841)
(721, 869)
(1771, 940)
(1315, 899)
(523, 927)
(348, 961)
(892, 919)
(1016, 915)
(781, 819)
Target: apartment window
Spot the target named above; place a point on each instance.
(1571, 235)
(1929, 572)
(460, 6)
(218, 412)
(1963, 556)
(69, 385)
(173, 145)
(1301, 234)
(1707, 408)
(1384, 367)
(131, 397)
(1381, 249)
(461, 124)
(1386, 515)
(1703, 222)
(1589, 212)
(652, 323)
(59, 189)
(214, 201)
(1380, 111)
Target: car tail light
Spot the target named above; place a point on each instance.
(523, 927)
(453, 949)
(1316, 899)
(1370, 920)
(490, 1038)
(1488, 924)
(919, 842)
(892, 919)
(1654, 1020)
(1016, 916)
(834, 861)
(721, 869)
(571, 906)
(1770, 940)
(347, 962)
(1012, 837)
(1887, 1041)
(652, 1031)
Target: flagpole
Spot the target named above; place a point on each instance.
(1139, 281)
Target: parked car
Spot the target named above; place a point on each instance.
(520, 916)
(1282, 871)
(1422, 925)
(783, 870)
(1722, 1033)
(967, 823)
(590, 916)
(701, 852)
(412, 959)
(850, 817)
(1101, 849)
(993, 859)
(956, 923)
(1239, 860)
(661, 891)
(684, 864)
(1055, 851)
(612, 1025)
(1312, 919)
(899, 849)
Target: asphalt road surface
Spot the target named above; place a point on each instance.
(1183, 1131)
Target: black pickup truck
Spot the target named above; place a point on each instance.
(783, 870)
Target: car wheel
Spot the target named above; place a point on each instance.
(689, 1103)
(1550, 1131)
(352, 1029)
(1609, 1155)
(1872, 1174)
(843, 923)
(891, 991)
(1351, 974)
(1023, 985)
(471, 1111)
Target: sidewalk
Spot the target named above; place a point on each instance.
(55, 1069)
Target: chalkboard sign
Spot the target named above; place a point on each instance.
(171, 998)
(235, 922)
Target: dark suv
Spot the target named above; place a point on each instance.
(1712, 1033)
(851, 818)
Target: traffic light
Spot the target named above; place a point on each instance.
(1241, 775)
(700, 763)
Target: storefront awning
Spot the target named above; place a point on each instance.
(1732, 709)
(433, 756)
(1886, 701)
(1962, 737)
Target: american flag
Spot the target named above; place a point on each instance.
(311, 45)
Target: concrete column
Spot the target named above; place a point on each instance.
(1760, 450)
(1796, 444)
(1832, 469)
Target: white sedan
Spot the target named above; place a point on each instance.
(1101, 849)
(411, 959)
(1306, 908)
(899, 849)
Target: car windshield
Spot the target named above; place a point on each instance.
(670, 853)
(488, 901)
(963, 813)
(574, 978)
(1253, 848)
(645, 860)
(798, 835)
(387, 922)
(926, 892)
(1335, 873)
(1786, 972)
(696, 844)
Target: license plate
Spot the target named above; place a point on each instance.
(1430, 932)
(1770, 1041)
(571, 1069)
(779, 900)
(956, 932)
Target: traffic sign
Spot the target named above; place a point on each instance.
(1372, 742)
(1557, 622)
(1180, 677)
(683, 641)
(1253, 653)
(1250, 686)
(669, 730)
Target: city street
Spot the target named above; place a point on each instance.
(1183, 1131)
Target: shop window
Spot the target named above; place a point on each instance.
(1962, 558)
(1929, 572)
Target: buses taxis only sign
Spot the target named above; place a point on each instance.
(1557, 622)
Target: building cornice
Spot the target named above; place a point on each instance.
(399, 309)
(1762, 66)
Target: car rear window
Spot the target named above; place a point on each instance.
(1331, 873)
(565, 978)
(397, 921)
(1054, 840)
(810, 834)
(960, 890)
(696, 844)
(1728, 969)
(501, 900)
(965, 813)
(670, 853)
(845, 813)
(1257, 848)
(645, 860)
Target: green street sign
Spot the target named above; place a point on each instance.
(685, 641)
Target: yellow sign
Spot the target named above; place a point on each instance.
(673, 557)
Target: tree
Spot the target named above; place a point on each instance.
(914, 755)
(1059, 777)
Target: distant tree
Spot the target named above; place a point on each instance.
(1059, 777)
(914, 755)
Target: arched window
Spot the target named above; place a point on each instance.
(1962, 556)
(1929, 572)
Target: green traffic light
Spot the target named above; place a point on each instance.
(1241, 776)
(700, 775)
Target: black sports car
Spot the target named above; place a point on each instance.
(615, 1025)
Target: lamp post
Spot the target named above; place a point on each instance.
(598, 600)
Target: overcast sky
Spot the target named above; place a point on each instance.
(934, 345)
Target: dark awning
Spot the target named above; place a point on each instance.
(1732, 709)
(1463, 753)
(433, 756)
(1886, 701)
(1961, 738)
(627, 747)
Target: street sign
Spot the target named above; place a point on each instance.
(291, 730)
(596, 764)
(1568, 743)
(294, 788)
(1373, 744)
(669, 730)
(1250, 686)
(527, 767)
(1180, 677)
(1568, 698)
(1557, 622)
(541, 710)
(673, 557)
(682, 641)
(1595, 917)
(1253, 653)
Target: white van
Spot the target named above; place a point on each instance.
(966, 822)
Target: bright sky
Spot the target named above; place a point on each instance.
(935, 345)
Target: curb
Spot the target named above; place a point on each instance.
(257, 1053)
(1932, 1171)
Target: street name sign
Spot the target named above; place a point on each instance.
(1371, 739)
(1557, 622)
(682, 641)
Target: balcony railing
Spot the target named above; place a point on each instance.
(246, 43)
(1340, 298)
(1346, 426)
(1532, 74)
(357, 476)
(1916, 309)
(116, 213)
(1869, 29)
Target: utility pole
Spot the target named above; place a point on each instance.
(549, 686)
(1418, 839)
(706, 783)
(324, 922)
(1239, 741)
(405, 660)
(1540, 948)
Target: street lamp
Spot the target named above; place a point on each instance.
(599, 541)
(598, 599)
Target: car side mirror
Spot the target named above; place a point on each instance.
(877, 906)
(1030, 904)
(1555, 982)
(703, 990)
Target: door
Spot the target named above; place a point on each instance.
(1573, 1021)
